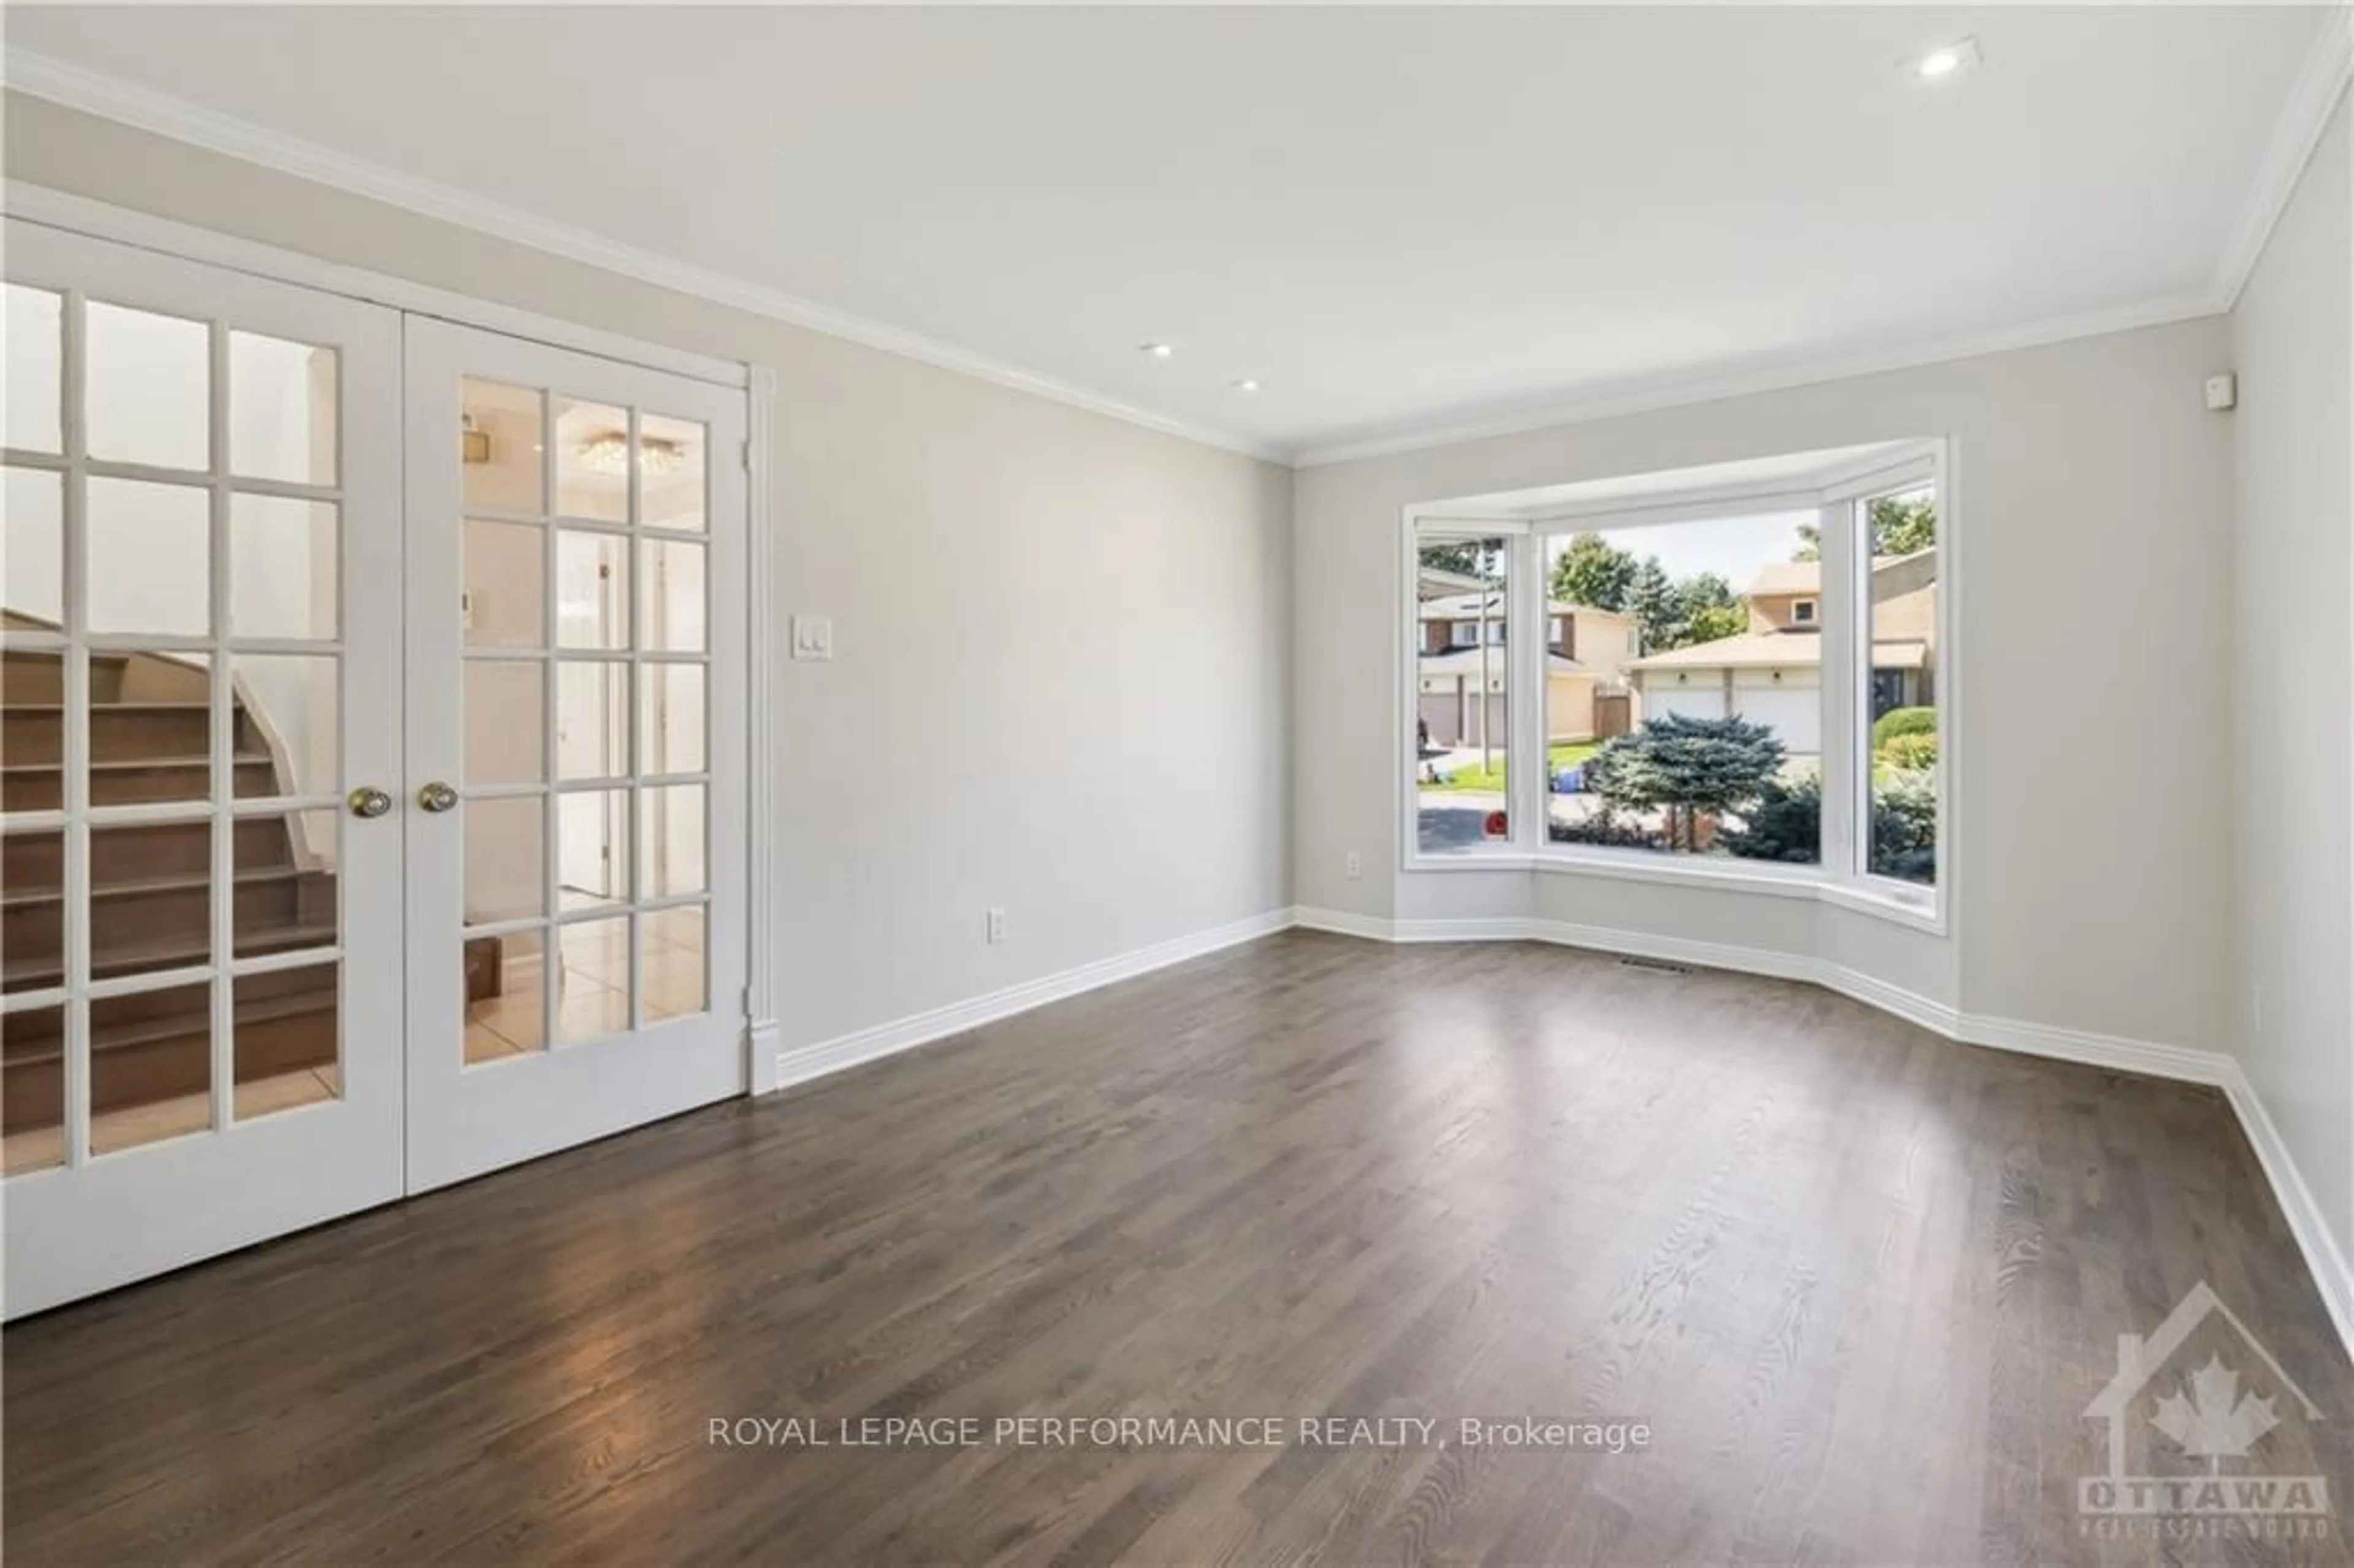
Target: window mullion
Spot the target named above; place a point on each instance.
(1524, 642)
(1844, 617)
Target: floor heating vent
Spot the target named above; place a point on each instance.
(1657, 965)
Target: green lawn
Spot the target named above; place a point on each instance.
(1490, 780)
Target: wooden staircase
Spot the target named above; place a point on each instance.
(151, 906)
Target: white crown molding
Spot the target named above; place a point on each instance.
(1775, 374)
(2329, 67)
(111, 97)
(2322, 80)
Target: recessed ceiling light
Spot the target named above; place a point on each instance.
(1951, 59)
(1246, 385)
(1157, 350)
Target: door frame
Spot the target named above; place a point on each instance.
(28, 202)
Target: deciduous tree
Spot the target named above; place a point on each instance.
(1593, 572)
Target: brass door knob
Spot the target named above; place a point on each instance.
(436, 796)
(368, 801)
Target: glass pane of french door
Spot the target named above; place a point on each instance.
(583, 709)
(171, 708)
(564, 903)
(180, 969)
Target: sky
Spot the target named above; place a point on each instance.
(1733, 547)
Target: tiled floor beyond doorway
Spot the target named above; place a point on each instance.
(593, 999)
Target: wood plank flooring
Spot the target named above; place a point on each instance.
(1860, 1283)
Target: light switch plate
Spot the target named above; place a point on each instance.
(812, 637)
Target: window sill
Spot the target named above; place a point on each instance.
(1498, 859)
(1757, 878)
(1922, 914)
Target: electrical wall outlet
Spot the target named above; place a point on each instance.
(996, 926)
(1356, 864)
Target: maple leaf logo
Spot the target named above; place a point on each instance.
(2214, 1421)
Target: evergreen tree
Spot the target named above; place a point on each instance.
(1706, 590)
(1686, 766)
(1657, 608)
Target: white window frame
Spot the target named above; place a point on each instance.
(1859, 885)
(1804, 612)
(1837, 495)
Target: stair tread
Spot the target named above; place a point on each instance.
(141, 704)
(126, 763)
(131, 887)
(195, 950)
(146, 1030)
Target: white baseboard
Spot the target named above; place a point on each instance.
(762, 1042)
(2322, 1253)
(2305, 1220)
(1935, 1017)
(799, 1063)
(1341, 923)
(2111, 1051)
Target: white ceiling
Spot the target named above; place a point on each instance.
(1395, 219)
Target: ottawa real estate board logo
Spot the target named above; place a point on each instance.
(2199, 1414)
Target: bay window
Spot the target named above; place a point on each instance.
(1729, 674)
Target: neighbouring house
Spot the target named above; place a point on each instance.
(1462, 683)
(1771, 674)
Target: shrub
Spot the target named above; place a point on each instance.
(1606, 830)
(1911, 753)
(1903, 721)
(1785, 824)
(1904, 826)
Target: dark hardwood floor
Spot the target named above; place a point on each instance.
(1860, 1283)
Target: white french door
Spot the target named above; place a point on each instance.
(576, 654)
(200, 601)
(372, 757)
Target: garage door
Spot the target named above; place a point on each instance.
(1684, 702)
(1795, 715)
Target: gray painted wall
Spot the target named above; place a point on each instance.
(2094, 648)
(2293, 338)
(1061, 682)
